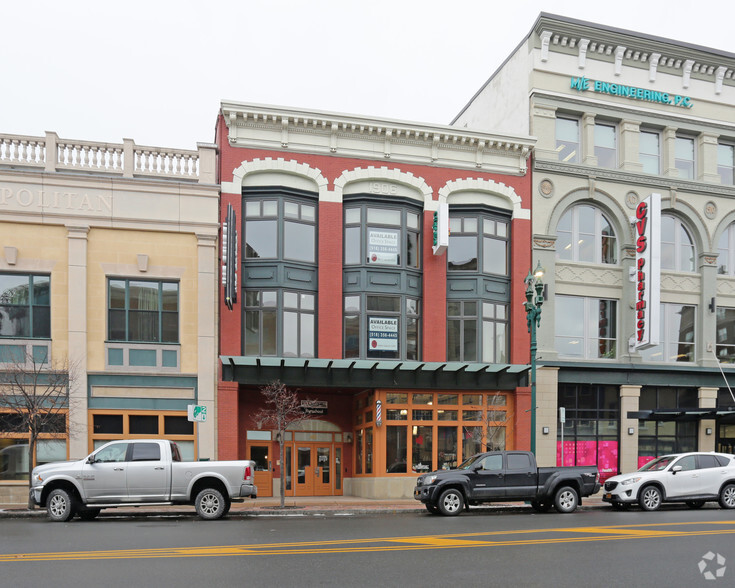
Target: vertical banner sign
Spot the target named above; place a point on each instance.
(648, 272)
(441, 229)
(229, 257)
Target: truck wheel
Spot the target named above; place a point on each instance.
(432, 508)
(210, 504)
(650, 498)
(88, 514)
(540, 506)
(727, 496)
(60, 506)
(451, 502)
(566, 499)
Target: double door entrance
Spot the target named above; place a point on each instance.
(313, 469)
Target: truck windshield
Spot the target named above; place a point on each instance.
(467, 463)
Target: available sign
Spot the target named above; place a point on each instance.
(382, 246)
(197, 413)
(647, 225)
(382, 333)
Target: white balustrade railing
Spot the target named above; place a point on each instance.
(124, 159)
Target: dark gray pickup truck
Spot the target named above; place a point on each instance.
(500, 476)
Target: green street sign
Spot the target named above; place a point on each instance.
(197, 413)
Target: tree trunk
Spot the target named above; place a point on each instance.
(283, 470)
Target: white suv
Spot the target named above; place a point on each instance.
(693, 478)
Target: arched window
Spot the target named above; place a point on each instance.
(677, 247)
(726, 249)
(585, 234)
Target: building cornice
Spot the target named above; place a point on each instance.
(325, 133)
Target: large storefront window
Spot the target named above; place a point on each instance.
(586, 328)
(676, 335)
(657, 438)
(109, 425)
(25, 309)
(50, 446)
(143, 311)
(590, 434)
(425, 431)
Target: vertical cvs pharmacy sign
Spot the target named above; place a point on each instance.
(647, 228)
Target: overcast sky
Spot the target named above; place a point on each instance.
(156, 70)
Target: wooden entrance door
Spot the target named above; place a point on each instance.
(263, 475)
(304, 470)
(323, 471)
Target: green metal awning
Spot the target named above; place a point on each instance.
(362, 373)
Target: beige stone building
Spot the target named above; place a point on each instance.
(108, 259)
(618, 116)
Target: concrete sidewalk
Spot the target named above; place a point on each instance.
(293, 507)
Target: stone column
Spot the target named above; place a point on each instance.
(630, 146)
(668, 153)
(207, 360)
(77, 300)
(543, 126)
(707, 159)
(707, 310)
(707, 399)
(547, 394)
(628, 454)
(588, 156)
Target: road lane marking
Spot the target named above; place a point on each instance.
(486, 539)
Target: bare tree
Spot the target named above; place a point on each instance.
(283, 410)
(34, 397)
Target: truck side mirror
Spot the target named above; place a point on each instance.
(91, 459)
(675, 469)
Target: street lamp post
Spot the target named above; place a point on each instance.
(534, 300)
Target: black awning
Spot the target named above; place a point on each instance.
(362, 373)
(683, 414)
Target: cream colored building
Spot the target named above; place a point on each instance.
(117, 245)
(619, 115)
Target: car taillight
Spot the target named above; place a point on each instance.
(248, 473)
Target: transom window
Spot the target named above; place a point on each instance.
(478, 244)
(726, 163)
(297, 329)
(567, 139)
(684, 157)
(477, 331)
(382, 236)
(585, 234)
(280, 229)
(25, 306)
(649, 151)
(143, 311)
(677, 247)
(586, 328)
(606, 145)
(676, 335)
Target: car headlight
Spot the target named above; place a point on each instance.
(428, 480)
(630, 481)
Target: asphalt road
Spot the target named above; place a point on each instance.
(586, 548)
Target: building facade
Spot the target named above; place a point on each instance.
(410, 353)
(619, 116)
(108, 264)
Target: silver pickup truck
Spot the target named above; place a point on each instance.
(140, 472)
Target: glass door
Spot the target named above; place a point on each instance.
(263, 474)
(304, 471)
(323, 471)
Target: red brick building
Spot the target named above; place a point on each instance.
(415, 354)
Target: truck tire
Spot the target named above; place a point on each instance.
(60, 505)
(727, 496)
(451, 502)
(210, 504)
(566, 499)
(88, 514)
(650, 498)
(539, 506)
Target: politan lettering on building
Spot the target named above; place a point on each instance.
(647, 225)
(55, 199)
(585, 84)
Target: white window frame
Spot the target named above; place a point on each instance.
(575, 156)
(576, 234)
(598, 148)
(657, 155)
(685, 164)
(727, 168)
(677, 243)
(590, 328)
